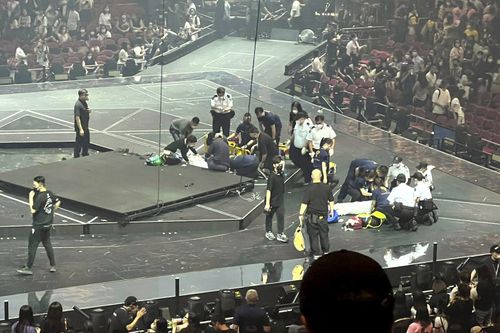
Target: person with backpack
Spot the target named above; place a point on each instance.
(441, 99)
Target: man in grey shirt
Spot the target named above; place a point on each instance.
(217, 153)
(182, 128)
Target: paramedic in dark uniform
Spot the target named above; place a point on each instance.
(81, 118)
(316, 203)
(222, 111)
(351, 175)
(380, 195)
(402, 199)
(242, 132)
(126, 317)
(270, 123)
(267, 149)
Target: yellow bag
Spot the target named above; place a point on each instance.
(298, 240)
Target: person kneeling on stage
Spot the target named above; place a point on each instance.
(402, 199)
(359, 190)
(217, 153)
(380, 195)
(423, 197)
(170, 155)
(242, 133)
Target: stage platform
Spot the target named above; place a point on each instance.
(120, 186)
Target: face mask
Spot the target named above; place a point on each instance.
(295, 111)
(319, 126)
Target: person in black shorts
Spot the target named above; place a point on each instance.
(316, 203)
(275, 201)
(42, 203)
(82, 117)
(126, 317)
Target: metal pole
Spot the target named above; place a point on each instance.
(6, 310)
(177, 295)
(434, 258)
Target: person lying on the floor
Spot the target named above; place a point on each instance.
(184, 145)
(217, 153)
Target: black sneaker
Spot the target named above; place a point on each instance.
(25, 271)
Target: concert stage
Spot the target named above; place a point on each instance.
(119, 186)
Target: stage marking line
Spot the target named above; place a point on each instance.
(219, 212)
(27, 204)
(10, 116)
(123, 119)
(469, 202)
(458, 220)
(207, 65)
(72, 212)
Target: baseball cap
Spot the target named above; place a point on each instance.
(401, 178)
(495, 248)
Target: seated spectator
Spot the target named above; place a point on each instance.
(189, 32)
(189, 324)
(249, 317)
(440, 298)
(123, 24)
(23, 75)
(136, 23)
(219, 324)
(20, 55)
(25, 322)
(105, 18)
(126, 317)
(104, 33)
(350, 283)
(217, 153)
(421, 323)
(401, 309)
(130, 68)
(89, 63)
(54, 322)
(82, 35)
(419, 302)
(122, 54)
(63, 35)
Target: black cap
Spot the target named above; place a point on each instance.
(422, 165)
(397, 159)
(495, 249)
(401, 178)
(131, 300)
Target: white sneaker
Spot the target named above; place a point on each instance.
(270, 235)
(281, 238)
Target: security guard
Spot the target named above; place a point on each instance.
(222, 111)
(402, 199)
(316, 203)
(423, 197)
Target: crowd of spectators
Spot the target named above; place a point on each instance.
(440, 63)
(81, 37)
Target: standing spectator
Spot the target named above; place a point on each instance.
(55, 322)
(123, 24)
(457, 109)
(483, 296)
(295, 19)
(440, 298)
(456, 52)
(316, 204)
(441, 99)
(86, 7)
(459, 311)
(194, 22)
(269, 123)
(317, 65)
(267, 149)
(25, 25)
(353, 50)
(189, 32)
(299, 145)
(105, 18)
(275, 201)
(419, 303)
(249, 317)
(464, 278)
(222, 111)
(20, 56)
(222, 18)
(431, 77)
(42, 55)
(219, 324)
(82, 116)
(25, 322)
(73, 22)
(420, 91)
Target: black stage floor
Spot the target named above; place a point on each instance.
(120, 186)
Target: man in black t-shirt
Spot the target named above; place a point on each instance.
(316, 204)
(270, 123)
(243, 132)
(126, 317)
(82, 117)
(267, 149)
(219, 324)
(275, 201)
(42, 203)
(183, 145)
(249, 318)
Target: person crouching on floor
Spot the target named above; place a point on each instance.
(217, 153)
(402, 200)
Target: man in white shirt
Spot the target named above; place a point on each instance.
(318, 132)
(423, 196)
(73, 22)
(441, 99)
(317, 65)
(295, 20)
(20, 56)
(353, 49)
(222, 111)
(402, 199)
(299, 145)
(431, 77)
(397, 167)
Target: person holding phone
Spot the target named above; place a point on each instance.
(42, 204)
(126, 317)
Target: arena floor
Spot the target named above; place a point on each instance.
(130, 113)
